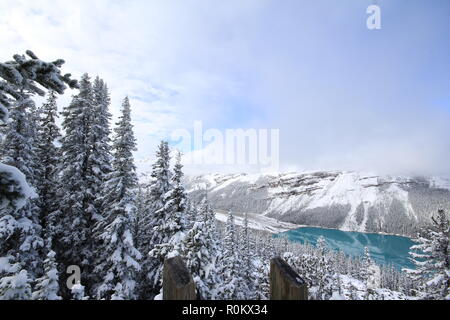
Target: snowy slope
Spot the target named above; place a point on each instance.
(345, 200)
(257, 221)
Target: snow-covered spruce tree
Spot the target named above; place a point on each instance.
(233, 285)
(48, 155)
(246, 260)
(22, 229)
(19, 79)
(201, 249)
(367, 274)
(77, 212)
(324, 271)
(18, 231)
(173, 225)
(214, 278)
(138, 215)
(117, 257)
(149, 283)
(99, 139)
(431, 258)
(47, 286)
(15, 283)
(99, 158)
(191, 214)
(77, 292)
(262, 267)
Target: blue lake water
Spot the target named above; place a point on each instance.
(384, 249)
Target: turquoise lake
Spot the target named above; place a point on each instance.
(384, 249)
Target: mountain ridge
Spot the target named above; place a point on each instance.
(345, 200)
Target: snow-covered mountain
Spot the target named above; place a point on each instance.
(344, 200)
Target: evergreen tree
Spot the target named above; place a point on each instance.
(48, 155)
(139, 215)
(172, 229)
(77, 211)
(47, 286)
(431, 258)
(19, 80)
(77, 292)
(99, 159)
(261, 279)
(324, 272)
(191, 213)
(119, 258)
(367, 273)
(148, 237)
(20, 234)
(15, 283)
(246, 260)
(201, 249)
(174, 209)
(233, 283)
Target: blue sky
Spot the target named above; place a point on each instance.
(343, 96)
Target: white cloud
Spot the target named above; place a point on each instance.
(342, 97)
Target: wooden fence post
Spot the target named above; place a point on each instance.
(177, 280)
(285, 283)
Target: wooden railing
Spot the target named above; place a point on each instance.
(285, 283)
(177, 281)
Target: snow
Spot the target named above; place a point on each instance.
(363, 201)
(440, 182)
(26, 191)
(3, 113)
(257, 222)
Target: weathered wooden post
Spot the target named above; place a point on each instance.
(177, 280)
(285, 283)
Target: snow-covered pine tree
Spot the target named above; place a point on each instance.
(48, 155)
(191, 213)
(47, 286)
(20, 235)
(77, 292)
(367, 273)
(19, 79)
(99, 140)
(138, 215)
(431, 258)
(324, 271)
(99, 158)
(246, 261)
(117, 257)
(214, 278)
(15, 283)
(201, 249)
(149, 284)
(262, 267)
(77, 211)
(233, 287)
(173, 225)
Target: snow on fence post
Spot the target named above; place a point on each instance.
(285, 283)
(177, 280)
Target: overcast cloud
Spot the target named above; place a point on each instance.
(343, 97)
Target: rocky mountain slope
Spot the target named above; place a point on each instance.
(342, 200)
